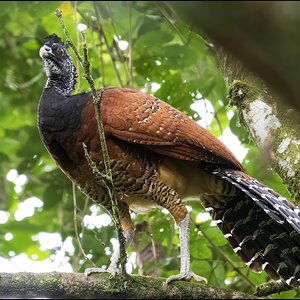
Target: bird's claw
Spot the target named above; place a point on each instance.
(186, 276)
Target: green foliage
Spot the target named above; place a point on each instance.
(164, 51)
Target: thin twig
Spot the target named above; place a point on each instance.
(186, 41)
(77, 42)
(58, 13)
(130, 47)
(107, 180)
(102, 33)
(272, 288)
(172, 24)
(75, 224)
(218, 120)
(251, 284)
(101, 60)
(73, 184)
(116, 46)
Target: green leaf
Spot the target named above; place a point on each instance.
(150, 40)
(285, 295)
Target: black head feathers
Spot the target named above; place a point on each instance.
(53, 39)
(58, 65)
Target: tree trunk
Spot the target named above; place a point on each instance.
(272, 125)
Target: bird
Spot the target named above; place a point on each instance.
(159, 158)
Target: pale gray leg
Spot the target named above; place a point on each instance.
(113, 267)
(185, 271)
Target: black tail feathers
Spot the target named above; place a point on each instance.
(262, 226)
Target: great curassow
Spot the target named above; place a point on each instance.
(159, 157)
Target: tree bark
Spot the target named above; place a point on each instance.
(75, 285)
(272, 125)
(262, 36)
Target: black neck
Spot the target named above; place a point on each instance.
(64, 85)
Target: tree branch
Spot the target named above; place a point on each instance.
(76, 285)
(103, 35)
(272, 288)
(273, 126)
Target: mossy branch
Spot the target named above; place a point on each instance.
(270, 288)
(58, 13)
(102, 286)
(106, 178)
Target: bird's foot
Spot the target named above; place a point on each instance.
(186, 276)
(110, 270)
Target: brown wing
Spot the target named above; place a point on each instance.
(140, 118)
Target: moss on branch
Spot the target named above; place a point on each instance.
(75, 285)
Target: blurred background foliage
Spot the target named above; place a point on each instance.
(138, 44)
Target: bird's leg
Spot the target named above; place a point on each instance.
(128, 229)
(113, 267)
(185, 271)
